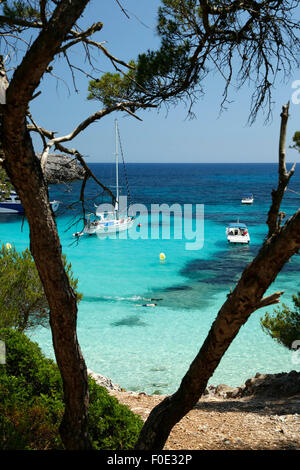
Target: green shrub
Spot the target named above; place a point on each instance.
(29, 427)
(23, 303)
(284, 324)
(31, 403)
(10, 438)
(112, 426)
(25, 360)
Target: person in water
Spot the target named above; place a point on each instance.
(146, 305)
(152, 300)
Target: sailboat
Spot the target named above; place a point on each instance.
(109, 222)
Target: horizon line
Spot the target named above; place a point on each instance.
(195, 163)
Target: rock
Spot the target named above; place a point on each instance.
(202, 428)
(104, 381)
(238, 441)
(222, 390)
(235, 392)
(284, 384)
(210, 390)
(226, 441)
(62, 169)
(264, 386)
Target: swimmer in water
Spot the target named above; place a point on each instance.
(146, 305)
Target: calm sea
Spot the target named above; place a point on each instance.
(149, 349)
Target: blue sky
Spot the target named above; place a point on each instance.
(164, 136)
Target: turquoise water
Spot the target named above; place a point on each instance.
(149, 349)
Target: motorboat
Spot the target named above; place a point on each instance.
(11, 204)
(248, 198)
(237, 233)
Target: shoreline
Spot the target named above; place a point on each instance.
(263, 414)
(279, 385)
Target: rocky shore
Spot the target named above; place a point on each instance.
(282, 385)
(262, 414)
(269, 386)
(62, 169)
(104, 382)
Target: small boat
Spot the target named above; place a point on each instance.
(108, 222)
(247, 198)
(237, 233)
(11, 204)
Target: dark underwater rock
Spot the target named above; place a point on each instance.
(177, 288)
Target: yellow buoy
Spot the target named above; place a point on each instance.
(162, 256)
(8, 246)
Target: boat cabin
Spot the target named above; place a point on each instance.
(247, 198)
(237, 233)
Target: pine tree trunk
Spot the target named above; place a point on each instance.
(24, 171)
(45, 246)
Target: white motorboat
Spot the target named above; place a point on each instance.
(108, 222)
(237, 233)
(11, 204)
(248, 198)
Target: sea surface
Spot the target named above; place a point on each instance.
(150, 348)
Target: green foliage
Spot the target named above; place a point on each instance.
(26, 363)
(296, 140)
(155, 74)
(151, 79)
(284, 324)
(112, 426)
(195, 41)
(111, 88)
(31, 403)
(23, 303)
(31, 406)
(19, 9)
(176, 14)
(156, 70)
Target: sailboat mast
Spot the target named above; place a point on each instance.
(117, 165)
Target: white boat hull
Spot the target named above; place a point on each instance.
(15, 207)
(238, 239)
(237, 233)
(107, 228)
(247, 201)
(116, 229)
(11, 210)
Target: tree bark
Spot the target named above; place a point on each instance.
(274, 215)
(24, 171)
